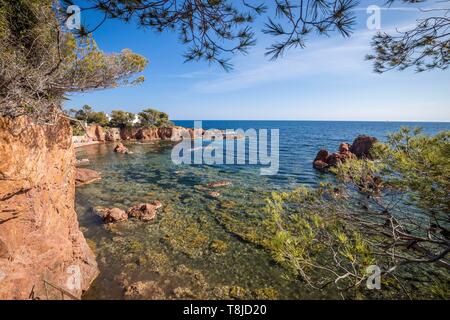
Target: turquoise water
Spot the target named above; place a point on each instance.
(192, 250)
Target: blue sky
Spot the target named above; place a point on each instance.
(329, 80)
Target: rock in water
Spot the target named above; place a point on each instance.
(360, 149)
(218, 184)
(111, 215)
(86, 176)
(82, 162)
(214, 194)
(362, 145)
(320, 162)
(144, 211)
(120, 148)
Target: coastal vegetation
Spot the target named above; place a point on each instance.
(389, 211)
(330, 235)
(147, 118)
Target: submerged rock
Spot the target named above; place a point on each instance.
(144, 290)
(120, 148)
(214, 194)
(145, 211)
(82, 162)
(111, 215)
(85, 176)
(218, 184)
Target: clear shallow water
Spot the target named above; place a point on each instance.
(179, 250)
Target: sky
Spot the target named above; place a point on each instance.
(328, 80)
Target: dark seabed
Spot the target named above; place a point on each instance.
(192, 250)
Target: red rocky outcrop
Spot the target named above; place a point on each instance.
(113, 134)
(95, 133)
(362, 145)
(39, 234)
(360, 149)
(147, 134)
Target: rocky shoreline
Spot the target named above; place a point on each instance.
(41, 245)
(96, 134)
(40, 240)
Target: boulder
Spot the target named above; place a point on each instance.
(86, 176)
(111, 215)
(344, 147)
(157, 204)
(144, 211)
(361, 146)
(214, 194)
(347, 155)
(360, 149)
(320, 165)
(334, 159)
(113, 134)
(218, 184)
(95, 133)
(120, 148)
(322, 155)
(82, 162)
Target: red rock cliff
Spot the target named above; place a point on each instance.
(39, 234)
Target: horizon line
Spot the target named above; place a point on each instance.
(320, 120)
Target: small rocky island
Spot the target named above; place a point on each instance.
(359, 149)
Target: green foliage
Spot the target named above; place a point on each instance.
(419, 164)
(87, 114)
(77, 129)
(154, 119)
(391, 212)
(121, 119)
(40, 62)
(309, 240)
(83, 113)
(97, 118)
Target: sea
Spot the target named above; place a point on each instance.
(198, 246)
